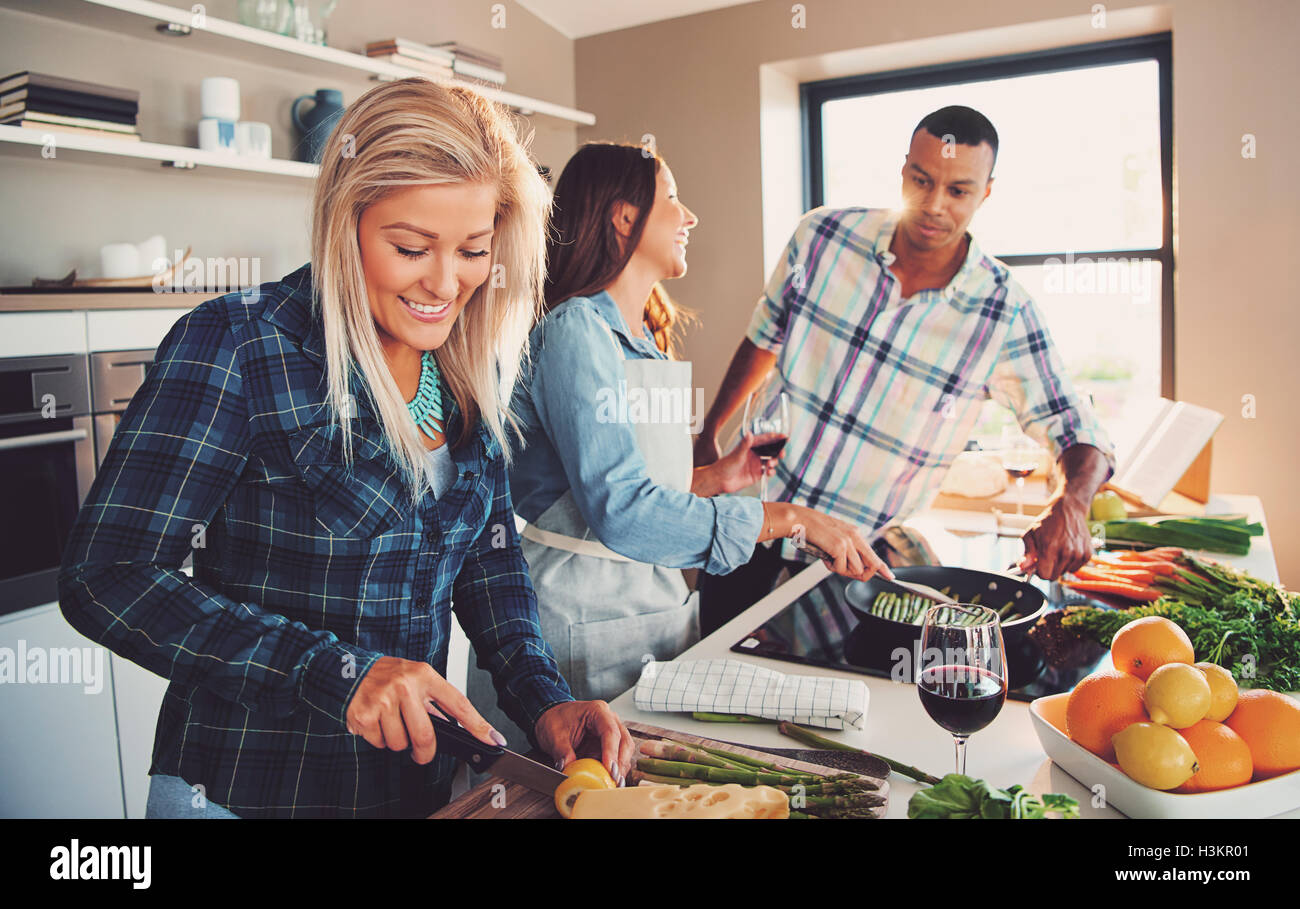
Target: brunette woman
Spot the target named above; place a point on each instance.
(614, 508)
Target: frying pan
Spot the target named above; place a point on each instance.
(875, 641)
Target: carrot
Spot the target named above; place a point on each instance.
(1155, 566)
(1132, 555)
(1142, 578)
(1115, 588)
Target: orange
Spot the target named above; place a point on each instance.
(1269, 721)
(1101, 705)
(1223, 756)
(1144, 645)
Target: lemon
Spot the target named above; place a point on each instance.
(583, 774)
(1223, 691)
(1107, 506)
(591, 768)
(1155, 755)
(1177, 695)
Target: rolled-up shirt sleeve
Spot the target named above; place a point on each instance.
(1030, 378)
(176, 454)
(785, 285)
(574, 364)
(494, 602)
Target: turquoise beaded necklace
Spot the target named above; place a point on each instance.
(426, 408)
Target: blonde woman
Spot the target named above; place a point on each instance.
(332, 449)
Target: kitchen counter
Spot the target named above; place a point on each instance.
(1004, 753)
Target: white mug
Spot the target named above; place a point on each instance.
(219, 98)
(216, 135)
(120, 260)
(252, 138)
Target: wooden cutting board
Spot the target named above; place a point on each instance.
(499, 798)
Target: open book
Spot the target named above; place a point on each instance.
(1156, 461)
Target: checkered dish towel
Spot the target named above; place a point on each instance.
(731, 686)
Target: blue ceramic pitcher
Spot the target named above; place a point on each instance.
(315, 127)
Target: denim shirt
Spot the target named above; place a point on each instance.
(568, 446)
(306, 570)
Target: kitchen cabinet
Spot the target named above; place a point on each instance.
(59, 754)
(137, 697)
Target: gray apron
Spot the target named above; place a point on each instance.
(605, 615)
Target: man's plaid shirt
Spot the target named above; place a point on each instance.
(884, 392)
(305, 573)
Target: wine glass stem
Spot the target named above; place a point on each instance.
(1020, 495)
(959, 741)
(762, 484)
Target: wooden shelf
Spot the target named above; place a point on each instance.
(16, 300)
(21, 140)
(138, 18)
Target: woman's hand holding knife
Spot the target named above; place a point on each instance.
(392, 705)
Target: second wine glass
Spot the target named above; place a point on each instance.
(767, 416)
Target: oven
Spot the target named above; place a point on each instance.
(114, 377)
(57, 416)
(47, 463)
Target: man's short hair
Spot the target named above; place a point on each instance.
(966, 125)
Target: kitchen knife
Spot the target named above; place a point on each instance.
(457, 741)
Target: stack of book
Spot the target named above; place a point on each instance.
(45, 102)
(475, 64)
(441, 61)
(413, 55)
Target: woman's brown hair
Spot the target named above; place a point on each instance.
(585, 254)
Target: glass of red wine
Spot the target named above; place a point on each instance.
(769, 416)
(963, 677)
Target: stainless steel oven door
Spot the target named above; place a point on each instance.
(47, 464)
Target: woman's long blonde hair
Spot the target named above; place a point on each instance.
(410, 132)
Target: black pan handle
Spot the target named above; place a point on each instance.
(457, 741)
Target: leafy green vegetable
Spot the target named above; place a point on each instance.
(963, 797)
(1216, 536)
(1246, 625)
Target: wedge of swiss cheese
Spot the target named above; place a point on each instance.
(698, 801)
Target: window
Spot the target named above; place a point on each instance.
(1080, 209)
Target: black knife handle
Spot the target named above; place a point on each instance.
(457, 741)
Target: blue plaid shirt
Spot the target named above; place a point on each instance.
(304, 573)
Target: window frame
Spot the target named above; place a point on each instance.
(1157, 47)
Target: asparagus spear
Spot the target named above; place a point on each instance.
(717, 774)
(811, 738)
(841, 787)
(706, 717)
(674, 751)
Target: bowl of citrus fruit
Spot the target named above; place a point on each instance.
(1158, 734)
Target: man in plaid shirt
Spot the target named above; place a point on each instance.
(888, 331)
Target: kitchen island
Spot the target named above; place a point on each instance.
(1004, 753)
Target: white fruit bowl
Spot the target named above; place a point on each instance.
(1253, 800)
